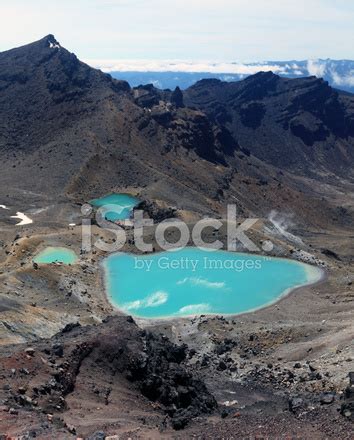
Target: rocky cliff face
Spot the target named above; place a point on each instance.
(300, 124)
(59, 116)
(70, 130)
(45, 89)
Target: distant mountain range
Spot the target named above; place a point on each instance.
(67, 128)
(168, 75)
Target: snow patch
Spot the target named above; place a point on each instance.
(53, 45)
(24, 219)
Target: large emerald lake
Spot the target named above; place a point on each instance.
(193, 281)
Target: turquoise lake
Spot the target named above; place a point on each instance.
(192, 281)
(117, 206)
(56, 255)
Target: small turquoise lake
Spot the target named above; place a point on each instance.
(56, 255)
(192, 281)
(116, 206)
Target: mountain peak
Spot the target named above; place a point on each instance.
(50, 37)
(262, 77)
(40, 77)
(52, 42)
(49, 41)
(33, 49)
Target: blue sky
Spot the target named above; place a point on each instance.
(217, 30)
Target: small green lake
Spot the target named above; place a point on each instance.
(116, 206)
(56, 255)
(192, 281)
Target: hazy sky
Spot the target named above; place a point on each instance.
(216, 30)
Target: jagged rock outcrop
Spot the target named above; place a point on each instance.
(177, 98)
(298, 124)
(116, 352)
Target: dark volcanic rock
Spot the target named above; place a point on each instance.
(98, 134)
(331, 254)
(277, 119)
(155, 212)
(308, 129)
(99, 435)
(225, 346)
(70, 327)
(295, 404)
(121, 354)
(85, 123)
(327, 398)
(347, 407)
(146, 96)
(159, 373)
(252, 114)
(177, 98)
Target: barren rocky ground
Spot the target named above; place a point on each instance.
(72, 366)
(278, 371)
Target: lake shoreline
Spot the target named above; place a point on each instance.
(320, 277)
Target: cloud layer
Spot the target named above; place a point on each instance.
(339, 73)
(184, 66)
